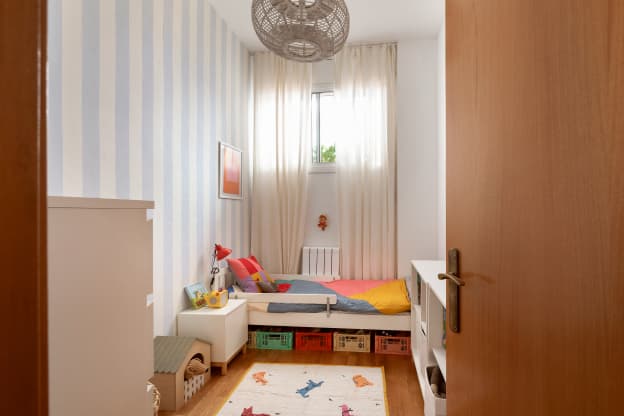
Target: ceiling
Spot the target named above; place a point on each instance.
(371, 20)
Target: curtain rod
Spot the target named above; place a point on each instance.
(372, 43)
(349, 44)
(365, 44)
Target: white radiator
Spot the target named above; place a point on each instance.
(321, 261)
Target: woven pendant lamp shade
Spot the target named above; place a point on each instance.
(301, 30)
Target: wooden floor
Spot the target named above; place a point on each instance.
(402, 387)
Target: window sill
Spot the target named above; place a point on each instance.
(322, 168)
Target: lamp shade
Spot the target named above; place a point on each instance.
(301, 30)
(222, 252)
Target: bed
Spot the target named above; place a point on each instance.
(326, 303)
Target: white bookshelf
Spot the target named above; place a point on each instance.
(440, 357)
(428, 308)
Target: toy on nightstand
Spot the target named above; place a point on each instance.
(217, 298)
(197, 295)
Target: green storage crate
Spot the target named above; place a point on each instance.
(273, 340)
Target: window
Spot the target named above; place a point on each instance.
(323, 128)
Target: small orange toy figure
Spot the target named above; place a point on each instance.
(259, 377)
(322, 224)
(361, 381)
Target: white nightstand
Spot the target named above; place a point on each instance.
(225, 328)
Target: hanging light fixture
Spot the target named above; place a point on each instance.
(301, 30)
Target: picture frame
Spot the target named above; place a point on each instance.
(230, 172)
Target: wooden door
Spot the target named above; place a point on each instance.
(23, 305)
(535, 204)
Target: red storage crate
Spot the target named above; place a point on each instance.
(393, 344)
(313, 341)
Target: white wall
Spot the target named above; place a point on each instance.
(442, 142)
(322, 199)
(417, 161)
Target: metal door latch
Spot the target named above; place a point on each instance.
(452, 288)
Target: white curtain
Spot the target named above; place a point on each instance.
(366, 161)
(281, 159)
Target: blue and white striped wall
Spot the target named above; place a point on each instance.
(140, 94)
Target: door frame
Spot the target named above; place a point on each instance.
(23, 287)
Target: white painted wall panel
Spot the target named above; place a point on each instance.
(322, 199)
(417, 161)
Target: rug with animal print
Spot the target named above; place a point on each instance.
(269, 389)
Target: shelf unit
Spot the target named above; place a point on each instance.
(428, 310)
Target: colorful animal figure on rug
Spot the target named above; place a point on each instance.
(346, 411)
(361, 381)
(249, 412)
(259, 377)
(311, 385)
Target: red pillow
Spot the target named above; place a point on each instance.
(247, 272)
(244, 266)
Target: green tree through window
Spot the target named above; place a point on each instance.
(328, 154)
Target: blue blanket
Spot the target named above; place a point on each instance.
(343, 304)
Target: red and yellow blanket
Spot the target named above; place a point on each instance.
(363, 296)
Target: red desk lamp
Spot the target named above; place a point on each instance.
(219, 254)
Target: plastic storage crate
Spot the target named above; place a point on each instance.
(398, 344)
(251, 339)
(274, 340)
(353, 342)
(313, 341)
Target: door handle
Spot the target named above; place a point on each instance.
(451, 277)
(454, 282)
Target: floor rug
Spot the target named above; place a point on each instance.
(269, 389)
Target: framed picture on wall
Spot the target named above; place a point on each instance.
(230, 172)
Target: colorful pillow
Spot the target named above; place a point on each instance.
(267, 287)
(248, 272)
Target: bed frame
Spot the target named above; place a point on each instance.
(327, 319)
(337, 320)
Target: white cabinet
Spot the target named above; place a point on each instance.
(225, 328)
(428, 310)
(100, 324)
